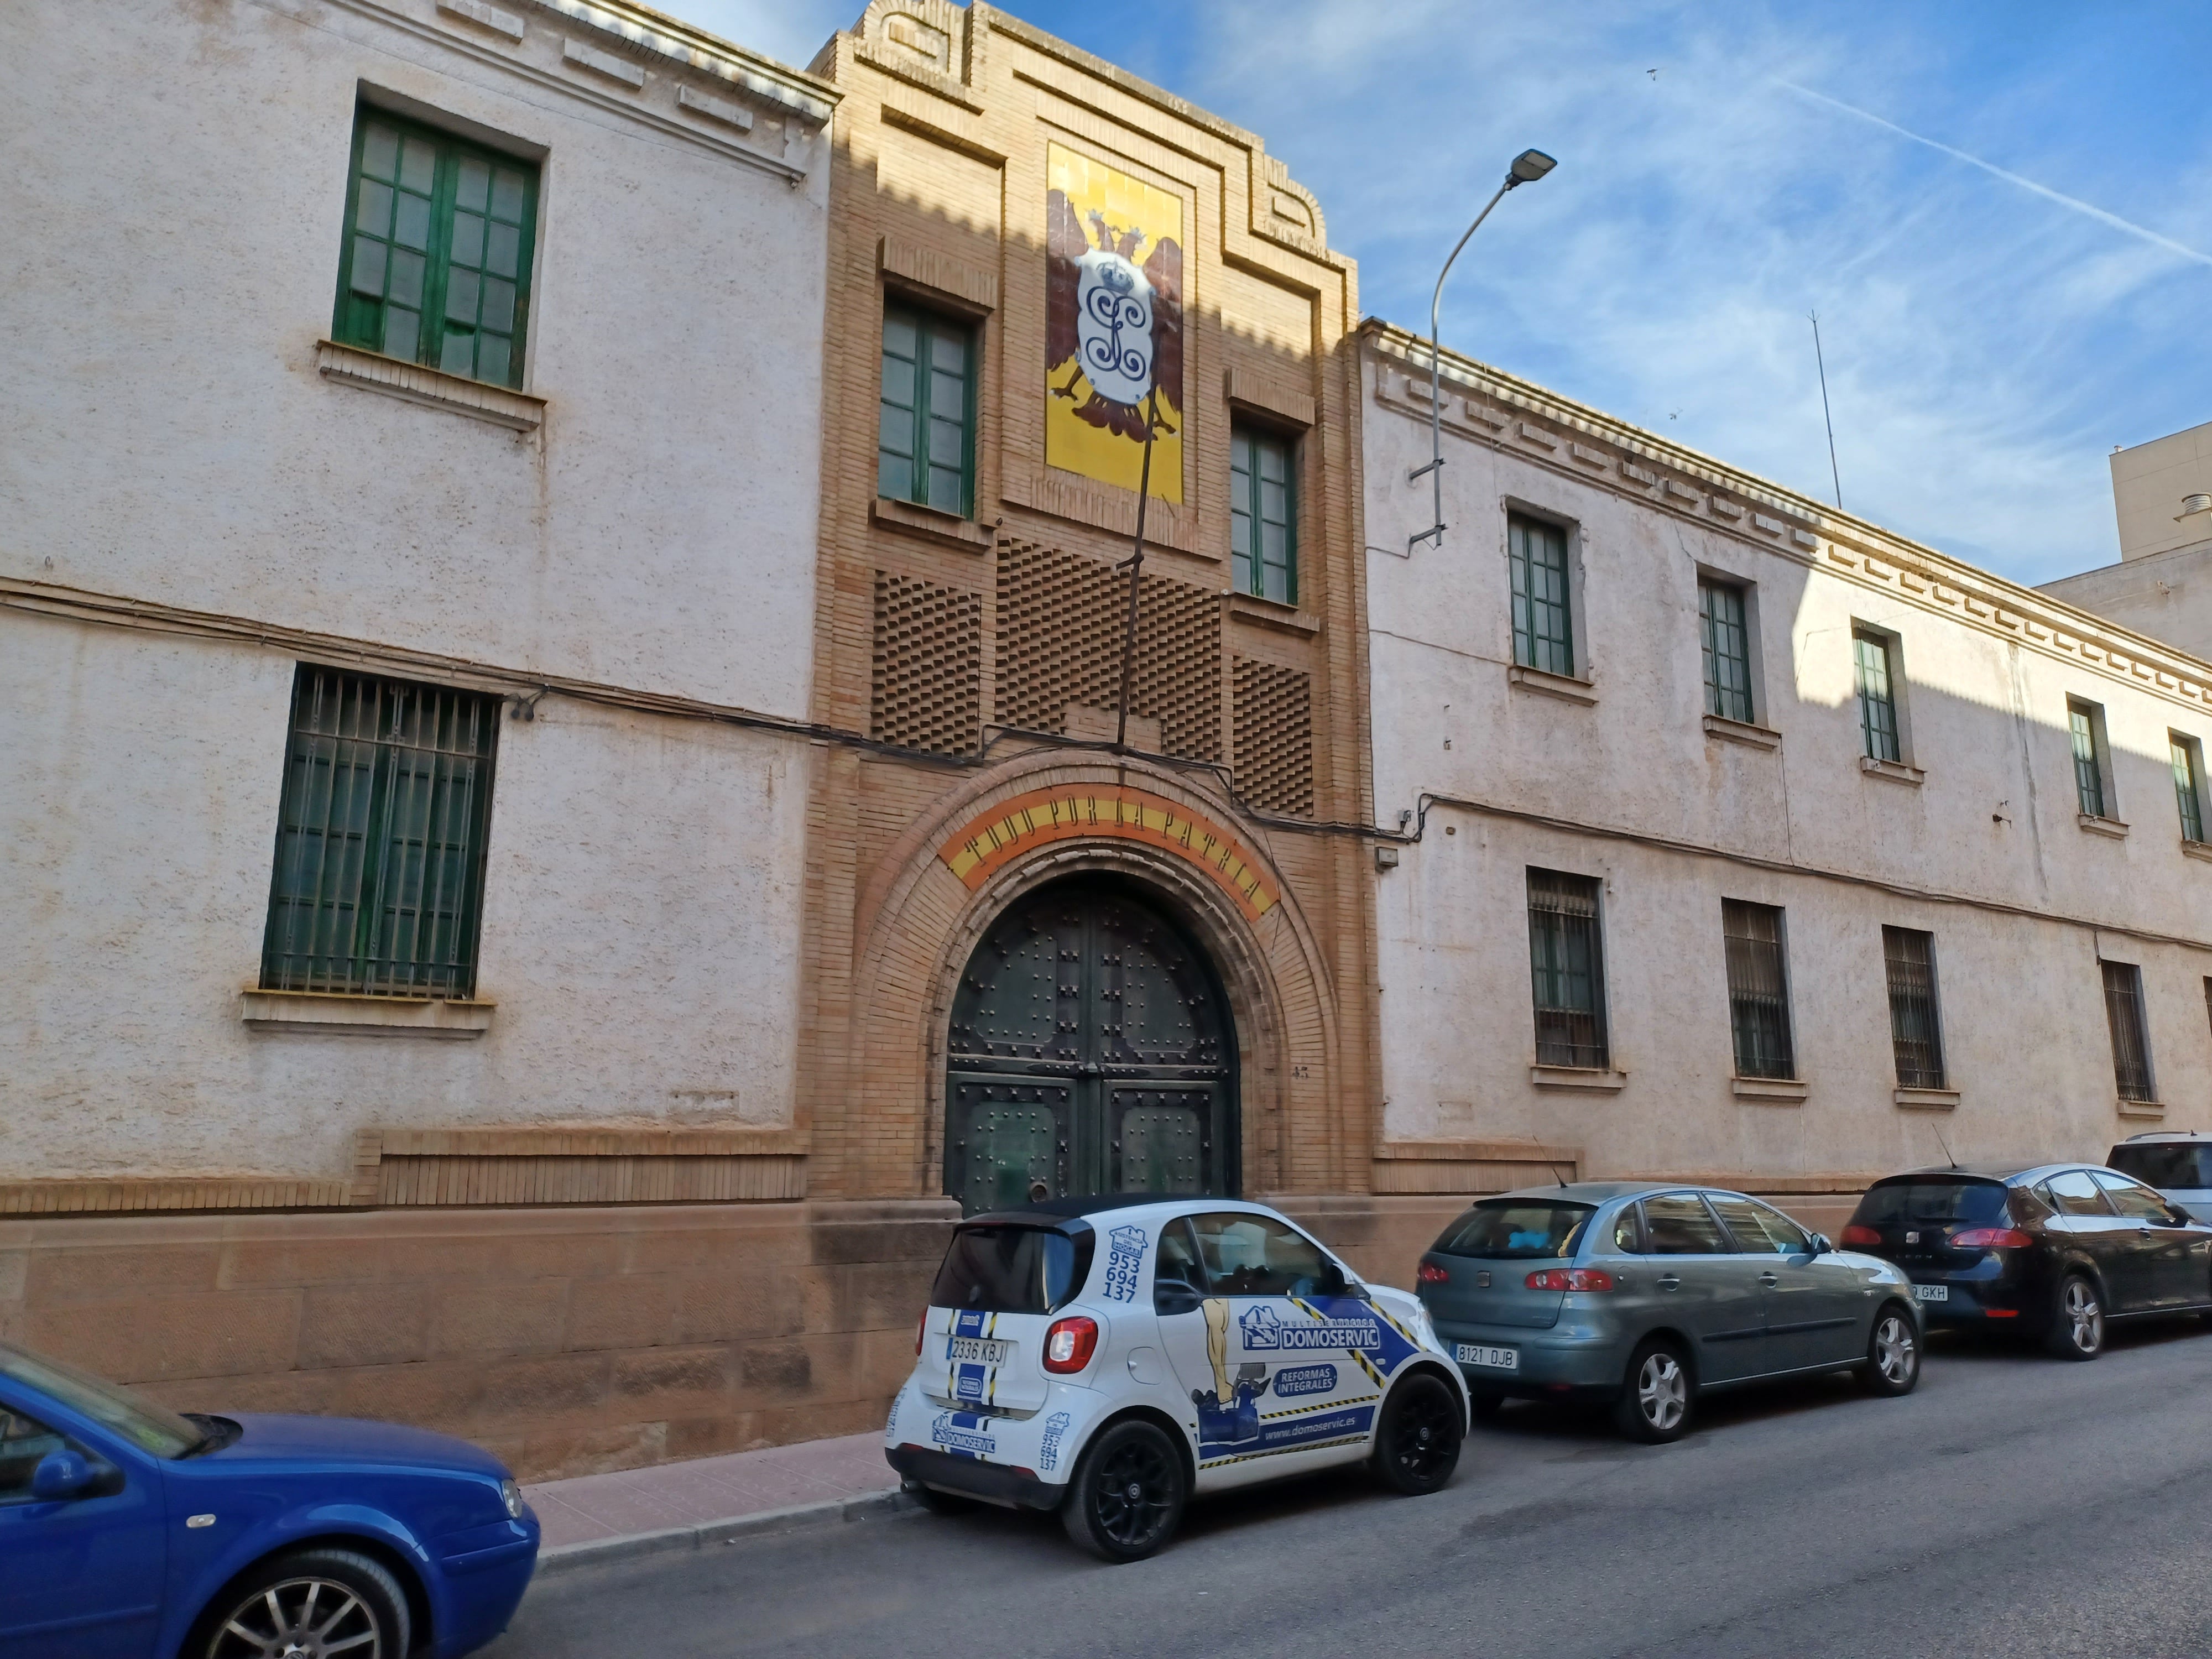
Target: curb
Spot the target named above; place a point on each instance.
(674, 1541)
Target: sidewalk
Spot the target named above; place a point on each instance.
(678, 1506)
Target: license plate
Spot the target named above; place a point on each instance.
(1496, 1359)
(979, 1350)
(1932, 1293)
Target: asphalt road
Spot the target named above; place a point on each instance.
(2014, 1505)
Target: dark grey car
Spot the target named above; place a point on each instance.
(1647, 1294)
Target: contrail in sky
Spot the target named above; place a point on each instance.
(2044, 190)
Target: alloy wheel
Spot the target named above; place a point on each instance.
(2085, 1320)
(1135, 1494)
(1662, 1393)
(1894, 1350)
(1421, 1441)
(299, 1618)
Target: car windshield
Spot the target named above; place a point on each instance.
(1540, 1228)
(150, 1428)
(1932, 1200)
(2171, 1166)
(1016, 1270)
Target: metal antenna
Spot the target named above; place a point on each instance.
(1136, 568)
(1821, 363)
(1945, 1144)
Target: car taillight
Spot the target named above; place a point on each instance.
(1428, 1274)
(1069, 1344)
(1856, 1234)
(921, 1330)
(1570, 1278)
(1990, 1238)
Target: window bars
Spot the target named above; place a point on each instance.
(2123, 1013)
(1727, 651)
(1543, 625)
(2186, 793)
(1566, 963)
(1915, 1021)
(379, 879)
(1758, 992)
(2088, 769)
(1877, 697)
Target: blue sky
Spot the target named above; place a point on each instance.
(1997, 313)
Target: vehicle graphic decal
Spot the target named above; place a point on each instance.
(1055, 1426)
(1288, 1432)
(967, 1380)
(1305, 1379)
(960, 1434)
(1125, 1256)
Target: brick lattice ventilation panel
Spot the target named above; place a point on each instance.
(927, 689)
(1060, 618)
(1274, 737)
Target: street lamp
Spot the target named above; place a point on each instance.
(1529, 166)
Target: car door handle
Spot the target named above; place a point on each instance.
(1669, 1282)
(1769, 1279)
(2143, 1232)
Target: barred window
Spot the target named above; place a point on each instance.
(1566, 963)
(1759, 989)
(2085, 721)
(379, 882)
(2123, 1013)
(1915, 1021)
(1870, 662)
(1727, 651)
(2188, 784)
(1543, 625)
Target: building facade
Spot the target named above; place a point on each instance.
(2162, 504)
(1749, 841)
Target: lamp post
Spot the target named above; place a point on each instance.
(1529, 166)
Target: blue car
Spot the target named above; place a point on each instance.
(130, 1532)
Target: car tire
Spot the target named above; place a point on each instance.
(317, 1596)
(1656, 1397)
(2077, 1319)
(936, 1502)
(1125, 1500)
(1418, 1434)
(1484, 1407)
(1892, 1366)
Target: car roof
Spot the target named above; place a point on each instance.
(2011, 1174)
(1047, 1212)
(2157, 1137)
(1592, 1192)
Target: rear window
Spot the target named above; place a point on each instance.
(2171, 1166)
(1014, 1270)
(1932, 1200)
(1536, 1228)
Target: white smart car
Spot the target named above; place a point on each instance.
(1108, 1358)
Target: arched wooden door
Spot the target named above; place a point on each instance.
(1091, 1051)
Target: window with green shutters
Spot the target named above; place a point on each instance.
(2188, 784)
(1877, 695)
(436, 264)
(379, 879)
(925, 423)
(1727, 651)
(1543, 625)
(2085, 724)
(1263, 514)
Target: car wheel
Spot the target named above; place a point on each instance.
(2077, 1320)
(1127, 1498)
(1893, 1361)
(1418, 1440)
(313, 1601)
(936, 1502)
(1655, 1403)
(1487, 1406)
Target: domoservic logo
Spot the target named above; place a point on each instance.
(1263, 1330)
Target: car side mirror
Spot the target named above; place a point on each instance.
(61, 1474)
(1174, 1295)
(1821, 1246)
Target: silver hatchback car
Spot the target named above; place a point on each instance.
(1647, 1294)
(2178, 1164)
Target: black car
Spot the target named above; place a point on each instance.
(2056, 1250)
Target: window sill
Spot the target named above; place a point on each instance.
(1895, 771)
(2196, 849)
(1773, 1091)
(418, 383)
(1564, 687)
(2097, 826)
(1273, 613)
(1927, 1100)
(334, 1013)
(1588, 1078)
(2142, 1109)
(1742, 731)
(947, 527)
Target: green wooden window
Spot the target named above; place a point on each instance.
(1877, 695)
(2188, 785)
(2083, 722)
(1263, 514)
(1543, 627)
(926, 423)
(1566, 963)
(379, 882)
(1727, 651)
(436, 264)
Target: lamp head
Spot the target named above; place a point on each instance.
(1529, 166)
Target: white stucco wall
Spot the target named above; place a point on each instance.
(1995, 819)
(2167, 596)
